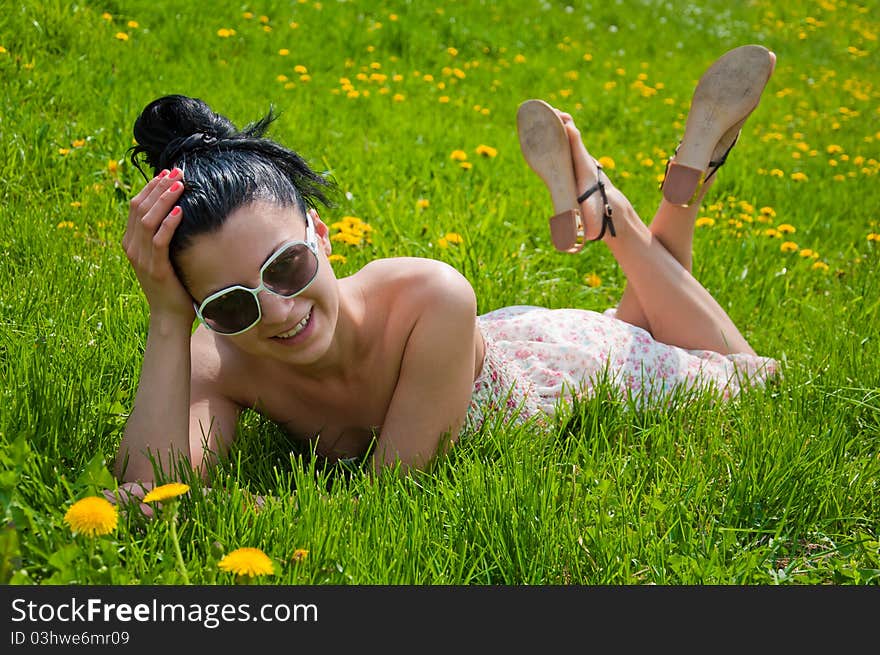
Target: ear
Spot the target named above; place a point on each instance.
(322, 232)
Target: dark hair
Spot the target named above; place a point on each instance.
(224, 168)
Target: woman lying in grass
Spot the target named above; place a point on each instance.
(392, 359)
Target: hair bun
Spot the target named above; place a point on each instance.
(174, 124)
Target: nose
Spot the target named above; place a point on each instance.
(275, 309)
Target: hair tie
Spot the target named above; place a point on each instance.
(177, 147)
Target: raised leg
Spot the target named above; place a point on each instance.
(725, 96)
(678, 309)
(673, 226)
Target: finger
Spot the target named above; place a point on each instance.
(163, 235)
(157, 192)
(149, 186)
(137, 203)
(159, 211)
(174, 175)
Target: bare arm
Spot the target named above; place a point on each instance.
(159, 421)
(436, 376)
(171, 404)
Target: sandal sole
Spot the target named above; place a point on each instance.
(547, 150)
(727, 93)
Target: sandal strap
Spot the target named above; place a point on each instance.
(715, 164)
(607, 223)
(711, 169)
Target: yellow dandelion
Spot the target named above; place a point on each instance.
(76, 204)
(458, 155)
(705, 221)
(284, 52)
(819, 266)
(347, 238)
(833, 149)
(122, 36)
(247, 561)
(776, 173)
(63, 151)
(647, 161)
(337, 259)
(767, 211)
(606, 162)
(300, 69)
(452, 51)
(399, 97)
(106, 16)
(773, 233)
(519, 59)
(78, 143)
(873, 237)
(113, 166)
(300, 553)
(166, 492)
(247, 15)
(224, 33)
(281, 78)
(308, 78)
(133, 24)
(486, 151)
(442, 243)
(65, 225)
(799, 177)
(466, 165)
(92, 516)
(592, 280)
(788, 246)
(264, 19)
(392, 18)
(785, 228)
(423, 203)
(806, 253)
(443, 99)
(294, 25)
(454, 237)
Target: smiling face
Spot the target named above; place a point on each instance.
(296, 330)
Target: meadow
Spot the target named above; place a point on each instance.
(411, 106)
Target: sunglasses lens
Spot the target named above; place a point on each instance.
(292, 270)
(232, 312)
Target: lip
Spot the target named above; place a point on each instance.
(302, 336)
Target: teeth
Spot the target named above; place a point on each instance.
(296, 328)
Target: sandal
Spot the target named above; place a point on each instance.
(727, 93)
(546, 148)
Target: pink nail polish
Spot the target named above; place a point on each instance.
(175, 211)
(163, 173)
(177, 186)
(174, 174)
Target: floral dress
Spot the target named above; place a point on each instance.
(536, 357)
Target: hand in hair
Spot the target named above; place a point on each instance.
(152, 218)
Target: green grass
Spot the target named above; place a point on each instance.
(780, 486)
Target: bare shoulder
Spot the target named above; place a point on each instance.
(417, 280)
